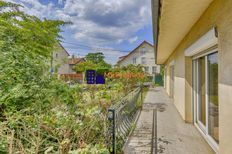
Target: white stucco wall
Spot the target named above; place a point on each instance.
(60, 58)
(149, 56)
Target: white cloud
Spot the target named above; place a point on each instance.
(133, 39)
(102, 19)
(60, 2)
(97, 22)
(110, 21)
(34, 7)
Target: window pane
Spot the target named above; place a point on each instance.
(134, 60)
(143, 60)
(146, 69)
(201, 90)
(213, 96)
(153, 69)
(143, 51)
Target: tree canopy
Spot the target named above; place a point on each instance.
(94, 61)
(97, 57)
(26, 43)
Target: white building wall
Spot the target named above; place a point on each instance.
(60, 61)
(149, 56)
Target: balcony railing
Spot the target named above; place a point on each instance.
(122, 117)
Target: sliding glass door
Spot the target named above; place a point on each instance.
(213, 116)
(205, 81)
(202, 92)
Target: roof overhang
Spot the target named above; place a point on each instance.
(174, 21)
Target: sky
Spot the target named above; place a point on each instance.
(114, 27)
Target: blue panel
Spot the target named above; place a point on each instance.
(100, 79)
(91, 76)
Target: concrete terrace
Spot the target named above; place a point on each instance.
(173, 134)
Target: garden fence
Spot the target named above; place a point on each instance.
(122, 117)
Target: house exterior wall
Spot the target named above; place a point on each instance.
(149, 56)
(219, 15)
(70, 69)
(60, 58)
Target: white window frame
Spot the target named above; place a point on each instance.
(142, 51)
(203, 129)
(154, 69)
(134, 60)
(143, 60)
(204, 46)
(146, 70)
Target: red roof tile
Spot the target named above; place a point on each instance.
(73, 61)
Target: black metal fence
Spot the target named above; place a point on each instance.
(122, 117)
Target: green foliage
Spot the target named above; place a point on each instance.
(162, 70)
(86, 65)
(26, 43)
(38, 112)
(127, 82)
(92, 150)
(95, 57)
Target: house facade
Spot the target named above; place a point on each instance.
(62, 62)
(141, 55)
(63, 65)
(59, 63)
(74, 61)
(194, 42)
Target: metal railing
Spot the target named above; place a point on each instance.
(122, 117)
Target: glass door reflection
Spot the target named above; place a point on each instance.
(213, 115)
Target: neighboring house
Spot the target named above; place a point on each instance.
(193, 39)
(59, 60)
(141, 55)
(72, 62)
(71, 75)
(63, 65)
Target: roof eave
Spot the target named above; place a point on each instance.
(172, 21)
(155, 6)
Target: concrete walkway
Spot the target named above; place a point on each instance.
(173, 134)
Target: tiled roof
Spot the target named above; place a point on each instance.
(73, 61)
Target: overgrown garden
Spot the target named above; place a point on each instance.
(40, 113)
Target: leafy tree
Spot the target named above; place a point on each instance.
(98, 59)
(94, 61)
(95, 57)
(26, 43)
(85, 65)
(104, 65)
(27, 90)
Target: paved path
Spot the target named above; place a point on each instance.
(174, 135)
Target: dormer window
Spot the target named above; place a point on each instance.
(143, 51)
(134, 60)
